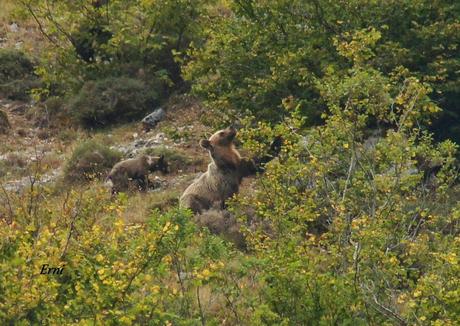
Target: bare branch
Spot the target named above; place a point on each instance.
(40, 26)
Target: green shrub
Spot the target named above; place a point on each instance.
(266, 53)
(90, 160)
(16, 75)
(50, 113)
(114, 273)
(102, 102)
(147, 37)
(358, 234)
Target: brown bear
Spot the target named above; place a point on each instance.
(206, 195)
(225, 172)
(137, 170)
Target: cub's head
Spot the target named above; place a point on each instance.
(221, 148)
(157, 163)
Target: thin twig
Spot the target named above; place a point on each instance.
(203, 321)
(8, 202)
(40, 26)
(350, 170)
(74, 217)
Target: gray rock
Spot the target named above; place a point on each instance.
(159, 139)
(139, 143)
(157, 184)
(151, 120)
(14, 28)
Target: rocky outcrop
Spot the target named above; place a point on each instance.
(151, 120)
(138, 146)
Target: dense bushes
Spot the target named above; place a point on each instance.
(114, 38)
(17, 76)
(360, 215)
(90, 160)
(358, 230)
(113, 273)
(112, 100)
(264, 54)
(113, 47)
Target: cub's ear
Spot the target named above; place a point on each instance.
(150, 160)
(206, 144)
(161, 158)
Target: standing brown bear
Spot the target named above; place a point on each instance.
(137, 170)
(225, 172)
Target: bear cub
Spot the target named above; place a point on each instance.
(137, 170)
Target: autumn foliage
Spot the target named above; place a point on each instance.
(357, 220)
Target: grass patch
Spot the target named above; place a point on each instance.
(8, 7)
(14, 165)
(140, 205)
(177, 159)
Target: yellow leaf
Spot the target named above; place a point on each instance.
(166, 227)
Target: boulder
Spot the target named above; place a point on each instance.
(14, 28)
(151, 120)
(139, 145)
(159, 139)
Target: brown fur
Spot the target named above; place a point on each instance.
(225, 172)
(223, 177)
(135, 169)
(206, 195)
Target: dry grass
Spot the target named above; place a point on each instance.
(28, 37)
(7, 8)
(182, 114)
(141, 205)
(119, 134)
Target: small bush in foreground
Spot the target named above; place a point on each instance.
(158, 273)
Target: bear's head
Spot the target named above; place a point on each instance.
(222, 148)
(157, 163)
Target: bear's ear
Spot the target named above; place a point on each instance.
(161, 159)
(150, 160)
(206, 144)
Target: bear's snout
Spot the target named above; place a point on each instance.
(231, 132)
